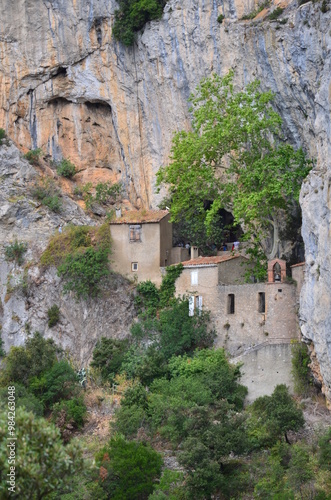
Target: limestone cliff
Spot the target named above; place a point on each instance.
(28, 291)
(67, 87)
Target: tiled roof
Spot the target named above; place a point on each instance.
(300, 264)
(210, 261)
(140, 216)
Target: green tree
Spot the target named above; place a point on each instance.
(31, 360)
(43, 465)
(129, 469)
(274, 416)
(233, 158)
(108, 356)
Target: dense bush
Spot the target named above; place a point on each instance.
(23, 398)
(33, 156)
(43, 465)
(57, 383)
(273, 416)
(15, 252)
(105, 193)
(132, 16)
(108, 356)
(83, 272)
(53, 314)
(46, 191)
(2, 136)
(66, 168)
(74, 411)
(31, 360)
(129, 469)
(81, 256)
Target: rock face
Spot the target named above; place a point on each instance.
(67, 87)
(27, 291)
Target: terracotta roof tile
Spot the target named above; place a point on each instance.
(140, 216)
(209, 261)
(300, 264)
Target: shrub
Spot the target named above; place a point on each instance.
(66, 169)
(275, 14)
(59, 382)
(23, 398)
(43, 465)
(105, 193)
(31, 360)
(15, 252)
(220, 18)
(130, 469)
(83, 272)
(108, 356)
(300, 367)
(2, 135)
(74, 411)
(132, 16)
(33, 156)
(53, 314)
(48, 194)
(81, 256)
(2, 351)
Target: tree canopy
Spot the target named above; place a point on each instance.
(234, 158)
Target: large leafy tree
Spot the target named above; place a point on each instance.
(235, 158)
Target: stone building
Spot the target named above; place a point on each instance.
(254, 322)
(141, 244)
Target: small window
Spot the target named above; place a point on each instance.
(134, 266)
(194, 277)
(135, 232)
(261, 302)
(231, 307)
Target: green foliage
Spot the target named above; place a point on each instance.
(147, 298)
(22, 363)
(273, 416)
(74, 411)
(132, 16)
(2, 351)
(220, 18)
(275, 13)
(324, 7)
(168, 288)
(15, 252)
(53, 314)
(46, 191)
(108, 356)
(83, 272)
(181, 333)
(324, 456)
(23, 398)
(58, 382)
(81, 256)
(169, 486)
(300, 367)
(66, 168)
(105, 193)
(2, 135)
(33, 156)
(131, 469)
(232, 157)
(43, 464)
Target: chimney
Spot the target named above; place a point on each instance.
(118, 212)
(194, 252)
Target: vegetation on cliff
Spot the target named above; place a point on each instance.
(235, 158)
(132, 16)
(80, 254)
